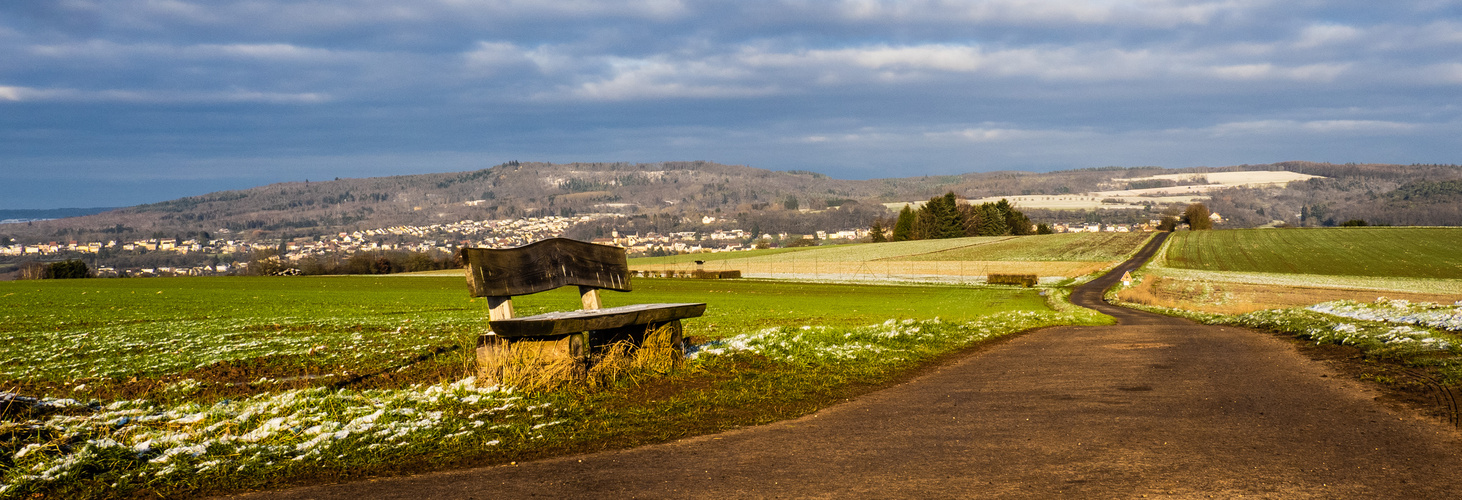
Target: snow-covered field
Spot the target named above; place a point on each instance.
(1425, 314)
(1377, 283)
(1384, 324)
(137, 444)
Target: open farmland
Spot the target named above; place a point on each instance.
(1239, 271)
(849, 252)
(183, 386)
(1074, 247)
(68, 332)
(1407, 252)
(957, 259)
(1391, 294)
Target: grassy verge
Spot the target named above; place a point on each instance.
(1425, 336)
(777, 350)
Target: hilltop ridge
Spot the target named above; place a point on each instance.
(664, 195)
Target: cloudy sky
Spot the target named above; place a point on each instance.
(118, 102)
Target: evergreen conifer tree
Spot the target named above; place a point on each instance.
(948, 217)
(903, 229)
(992, 220)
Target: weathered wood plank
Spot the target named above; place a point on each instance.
(589, 298)
(543, 266)
(500, 308)
(562, 322)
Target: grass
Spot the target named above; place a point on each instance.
(1078, 247)
(1319, 285)
(1227, 297)
(94, 331)
(849, 252)
(1366, 251)
(1375, 329)
(192, 386)
(748, 305)
(79, 331)
(1239, 271)
(714, 256)
(1061, 256)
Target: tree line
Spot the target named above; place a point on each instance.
(66, 269)
(268, 262)
(946, 217)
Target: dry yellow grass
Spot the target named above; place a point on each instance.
(659, 353)
(527, 366)
(1239, 298)
(876, 269)
(536, 366)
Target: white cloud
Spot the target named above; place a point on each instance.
(97, 49)
(656, 79)
(1268, 71)
(1444, 73)
(754, 71)
(11, 93)
(288, 16)
(490, 57)
(268, 51)
(986, 133)
(1268, 127)
(17, 94)
(1150, 13)
(1079, 63)
(998, 134)
(1326, 34)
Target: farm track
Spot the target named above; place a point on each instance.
(1154, 406)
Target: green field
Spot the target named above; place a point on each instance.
(66, 331)
(1366, 251)
(191, 386)
(1325, 286)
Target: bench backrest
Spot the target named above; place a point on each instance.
(545, 265)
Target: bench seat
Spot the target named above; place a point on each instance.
(565, 322)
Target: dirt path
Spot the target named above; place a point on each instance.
(1156, 407)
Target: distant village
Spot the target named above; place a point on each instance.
(226, 255)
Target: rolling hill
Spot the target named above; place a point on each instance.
(669, 196)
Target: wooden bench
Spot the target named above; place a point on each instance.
(577, 337)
